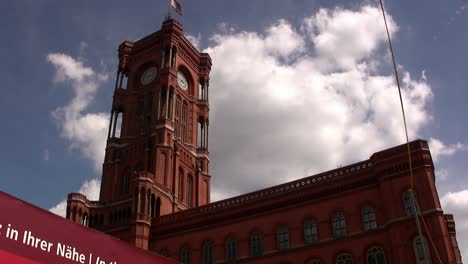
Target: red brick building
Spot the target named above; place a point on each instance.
(155, 190)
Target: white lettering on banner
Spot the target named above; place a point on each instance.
(30, 240)
(63, 250)
(70, 253)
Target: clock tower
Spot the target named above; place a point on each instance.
(157, 159)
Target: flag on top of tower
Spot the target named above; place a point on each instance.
(176, 6)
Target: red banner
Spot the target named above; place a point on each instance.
(31, 235)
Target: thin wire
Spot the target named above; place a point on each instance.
(418, 226)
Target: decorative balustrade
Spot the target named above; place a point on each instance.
(269, 192)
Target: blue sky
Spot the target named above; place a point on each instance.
(288, 49)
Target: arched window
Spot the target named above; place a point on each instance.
(344, 258)
(376, 255)
(208, 252)
(368, 218)
(310, 232)
(313, 261)
(408, 203)
(282, 237)
(185, 256)
(339, 225)
(256, 244)
(421, 251)
(231, 249)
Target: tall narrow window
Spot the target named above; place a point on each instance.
(118, 128)
(208, 252)
(185, 256)
(408, 203)
(256, 244)
(84, 219)
(368, 218)
(171, 104)
(310, 232)
(184, 123)
(344, 259)
(376, 255)
(126, 183)
(176, 127)
(200, 129)
(124, 83)
(140, 106)
(231, 249)
(282, 237)
(201, 89)
(149, 104)
(153, 205)
(189, 190)
(421, 251)
(181, 180)
(339, 225)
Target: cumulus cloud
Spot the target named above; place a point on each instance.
(84, 131)
(289, 102)
(90, 188)
(195, 40)
(439, 149)
(342, 38)
(456, 203)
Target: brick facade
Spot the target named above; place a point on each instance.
(155, 188)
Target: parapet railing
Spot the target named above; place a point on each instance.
(268, 192)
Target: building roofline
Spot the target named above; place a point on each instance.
(302, 184)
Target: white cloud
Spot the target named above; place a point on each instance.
(287, 102)
(84, 131)
(195, 40)
(442, 174)
(456, 203)
(439, 149)
(342, 38)
(90, 188)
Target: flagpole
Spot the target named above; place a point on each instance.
(169, 10)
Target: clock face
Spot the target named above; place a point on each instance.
(148, 75)
(182, 81)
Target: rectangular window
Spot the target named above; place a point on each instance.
(256, 245)
(207, 253)
(368, 218)
(185, 256)
(231, 250)
(339, 225)
(310, 232)
(282, 237)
